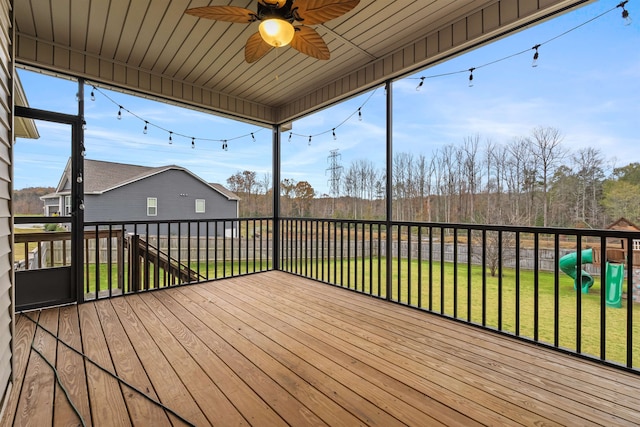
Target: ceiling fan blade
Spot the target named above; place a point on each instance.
(223, 13)
(307, 40)
(256, 48)
(277, 3)
(312, 12)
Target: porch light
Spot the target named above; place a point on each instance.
(276, 32)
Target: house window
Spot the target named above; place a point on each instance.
(199, 205)
(152, 206)
(67, 205)
(636, 245)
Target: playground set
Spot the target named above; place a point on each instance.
(614, 276)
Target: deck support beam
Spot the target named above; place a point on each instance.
(389, 188)
(277, 139)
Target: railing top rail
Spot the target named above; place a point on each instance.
(623, 234)
(172, 221)
(24, 220)
(55, 236)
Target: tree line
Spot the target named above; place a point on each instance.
(530, 180)
(27, 200)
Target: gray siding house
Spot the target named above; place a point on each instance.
(124, 192)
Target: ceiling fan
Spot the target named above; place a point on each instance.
(276, 24)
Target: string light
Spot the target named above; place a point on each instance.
(535, 56)
(84, 125)
(625, 16)
(193, 142)
(147, 123)
(625, 13)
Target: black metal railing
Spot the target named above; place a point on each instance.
(508, 279)
(130, 257)
(512, 280)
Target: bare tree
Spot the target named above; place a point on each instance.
(545, 147)
(472, 165)
(589, 165)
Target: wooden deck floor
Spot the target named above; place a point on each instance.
(273, 349)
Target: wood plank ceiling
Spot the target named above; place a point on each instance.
(152, 47)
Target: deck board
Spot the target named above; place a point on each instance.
(70, 366)
(105, 393)
(128, 367)
(165, 380)
(35, 406)
(276, 349)
(532, 398)
(336, 330)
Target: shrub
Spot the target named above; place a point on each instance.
(51, 227)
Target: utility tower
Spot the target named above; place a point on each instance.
(335, 170)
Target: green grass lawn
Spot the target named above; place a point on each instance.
(363, 276)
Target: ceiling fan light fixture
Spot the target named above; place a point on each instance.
(276, 32)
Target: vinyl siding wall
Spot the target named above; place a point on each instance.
(176, 192)
(6, 233)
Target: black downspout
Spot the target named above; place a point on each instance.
(276, 196)
(77, 197)
(389, 189)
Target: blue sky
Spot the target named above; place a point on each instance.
(586, 84)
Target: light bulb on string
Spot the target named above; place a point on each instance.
(93, 95)
(471, 77)
(170, 137)
(309, 144)
(84, 125)
(535, 56)
(359, 114)
(146, 128)
(193, 142)
(120, 112)
(253, 137)
(420, 84)
(625, 13)
(334, 134)
(290, 135)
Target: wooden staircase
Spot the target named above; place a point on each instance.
(152, 268)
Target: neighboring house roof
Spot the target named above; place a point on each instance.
(100, 177)
(623, 224)
(53, 195)
(225, 191)
(23, 128)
